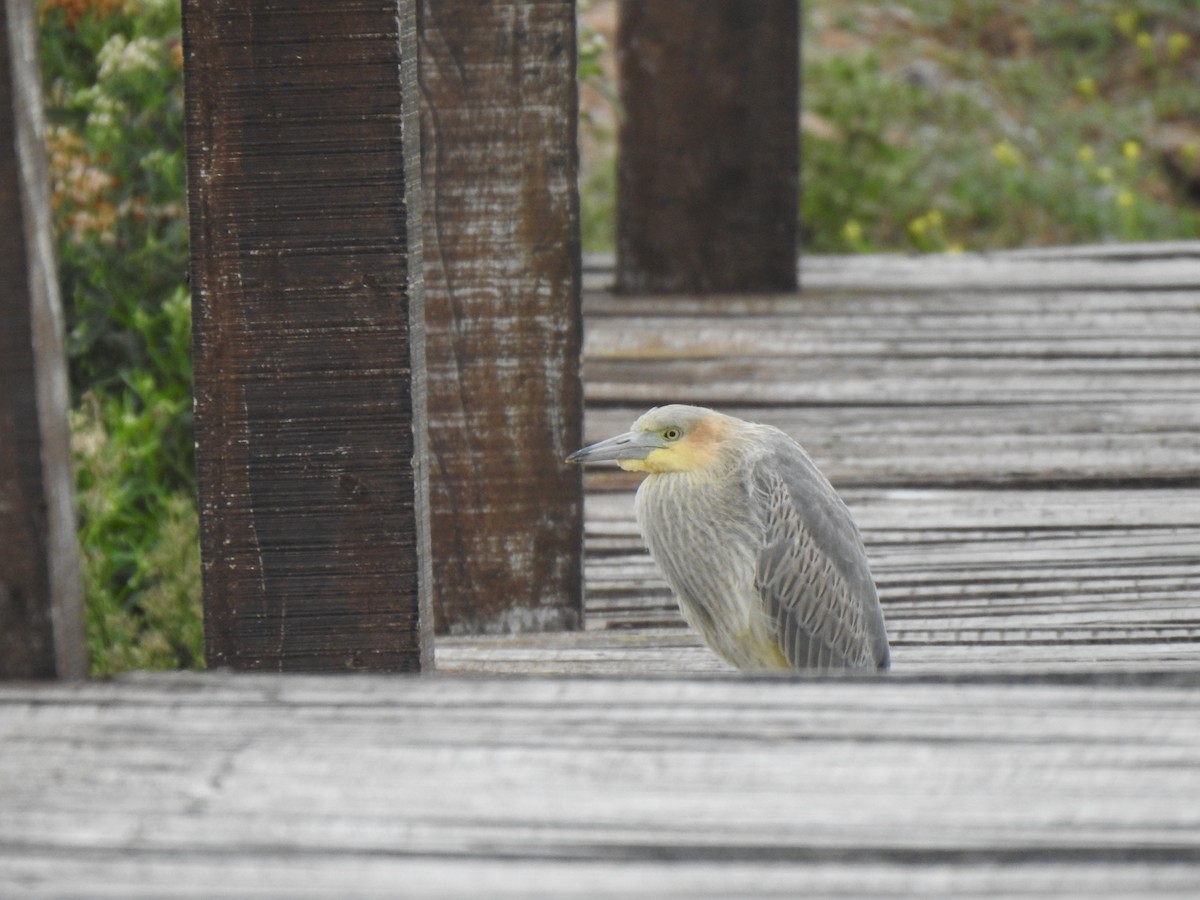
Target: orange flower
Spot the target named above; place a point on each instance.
(74, 10)
(78, 188)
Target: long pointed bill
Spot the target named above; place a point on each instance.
(631, 445)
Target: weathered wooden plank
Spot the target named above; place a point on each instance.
(1157, 265)
(1176, 267)
(707, 186)
(886, 387)
(287, 875)
(874, 380)
(963, 509)
(304, 192)
(1027, 573)
(502, 288)
(234, 777)
(675, 652)
(41, 596)
(1129, 252)
(1130, 333)
(1048, 346)
(881, 309)
(910, 446)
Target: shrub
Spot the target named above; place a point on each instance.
(112, 72)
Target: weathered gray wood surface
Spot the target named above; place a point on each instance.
(1035, 546)
(1048, 580)
(1024, 462)
(264, 785)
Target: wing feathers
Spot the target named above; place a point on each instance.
(822, 616)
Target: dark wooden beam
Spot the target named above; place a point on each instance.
(41, 600)
(304, 191)
(502, 273)
(707, 185)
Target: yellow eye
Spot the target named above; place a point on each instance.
(672, 434)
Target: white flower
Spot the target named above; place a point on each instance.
(121, 57)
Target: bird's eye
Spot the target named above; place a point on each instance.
(672, 434)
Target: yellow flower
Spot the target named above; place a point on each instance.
(1177, 45)
(1190, 150)
(1006, 154)
(1131, 150)
(1145, 40)
(918, 226)
(1105, 173)
(1086, 154)
(852, 232)
(1127, 21)
(1086, 87)
(1125, 198)
(934, 218)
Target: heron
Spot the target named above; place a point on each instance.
(765, 560)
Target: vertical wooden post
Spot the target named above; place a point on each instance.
(707, 185)
(502, 286)
(304, 192)
(41, 600)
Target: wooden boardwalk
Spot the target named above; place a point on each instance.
(1019, 437)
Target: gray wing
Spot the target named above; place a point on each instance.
(812, 573)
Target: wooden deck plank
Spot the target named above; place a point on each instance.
(1017, 437)
(1163, 265)
(1150, 266)
(1028, 573)
(1063, 381)
(278, 873)
(559, 779)
(899, 386)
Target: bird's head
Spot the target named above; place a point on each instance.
(666, 439)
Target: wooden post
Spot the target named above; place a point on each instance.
(707, 185)
(41, 599)
(502, 285)
(304, 192)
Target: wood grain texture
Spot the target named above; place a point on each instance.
(1035, 385)
(1162, 266)
(41, 596)
(713, 787)
(1038, 735)
(1022, 460)
(304, 191)
(504, 324)
(970, 580)
(708, 181)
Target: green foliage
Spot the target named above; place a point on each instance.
(139, 538)
(939, 125)
(934, 125)
(112, 71)
(598, 212)
(865, 174)
(115, 100)
(599, 110)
